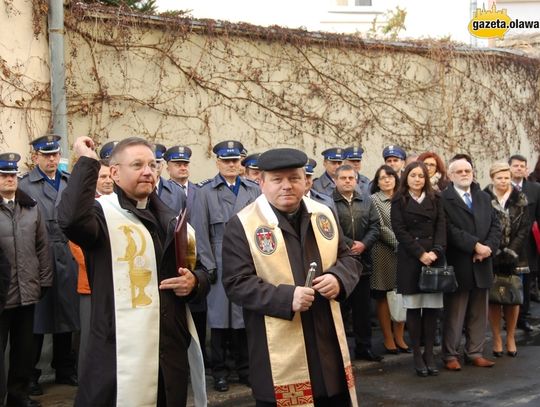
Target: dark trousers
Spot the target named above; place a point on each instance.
(17, 323)
(229, 344)
(199, 319)
(63, 360)
(341, 400)
(359, 304)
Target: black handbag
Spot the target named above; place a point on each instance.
(506, 290)
(437, 279)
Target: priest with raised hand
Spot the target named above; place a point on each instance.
(141, 333)
(297, 345)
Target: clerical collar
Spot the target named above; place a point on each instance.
(142, 203)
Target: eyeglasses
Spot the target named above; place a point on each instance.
(430, 165)
(139, 166)
(462, 171)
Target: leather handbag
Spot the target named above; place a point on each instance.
(437, 279)
(506, 290)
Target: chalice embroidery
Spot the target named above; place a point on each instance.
(139, 276)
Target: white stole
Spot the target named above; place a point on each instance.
(137, 312)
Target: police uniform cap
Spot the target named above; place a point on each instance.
(251, 161)
(47, 144)
(8, 163)
(159, 151)
(178, 153)
(310, 166)
(244, 152)
(228, 149)
(353, 153)
(333, 154)
(394, 151)
(282, 158)
(107, 149)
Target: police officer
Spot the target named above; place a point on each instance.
(395, 157)
(333, 158)
(178, 159)
(252, 171)
(58, 311)
(310, 192)
(353, 157)
(217, 200)
(168, 191)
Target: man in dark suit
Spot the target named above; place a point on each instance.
(473, 235)
(518, 170)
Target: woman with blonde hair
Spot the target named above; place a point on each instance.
(511, 207)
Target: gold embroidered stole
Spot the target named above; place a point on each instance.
(136, 305)
(286, 345)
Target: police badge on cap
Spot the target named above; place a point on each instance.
(47, 144)
(8, 163)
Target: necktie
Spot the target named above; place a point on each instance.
(467, 198)
(184, 189)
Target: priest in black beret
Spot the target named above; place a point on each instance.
(285, 263)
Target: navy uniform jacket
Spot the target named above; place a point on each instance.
(171, 194)
(215, 205)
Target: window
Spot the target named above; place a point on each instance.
(354, 3)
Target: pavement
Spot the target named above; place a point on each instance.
(394, 374)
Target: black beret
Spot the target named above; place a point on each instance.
(282, 158)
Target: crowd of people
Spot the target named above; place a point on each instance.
(286, 269)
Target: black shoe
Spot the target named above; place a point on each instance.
(245, 381)
(524, 325)
(391, 351)
(404, 350)
(423, 372)
(432, 370)
(497, 354)
(221, 384)
(512, 354)
(70, 380)
(21, 401)
(34, 388)
(369, 356)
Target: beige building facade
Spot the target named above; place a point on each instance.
(198, 82)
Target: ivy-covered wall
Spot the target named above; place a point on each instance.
(198, 82)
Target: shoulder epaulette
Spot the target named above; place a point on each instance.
(203, 183)
(255, 183)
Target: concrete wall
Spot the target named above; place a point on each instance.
(197, 84)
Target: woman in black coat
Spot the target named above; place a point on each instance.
(511, 257)
(419, 223)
